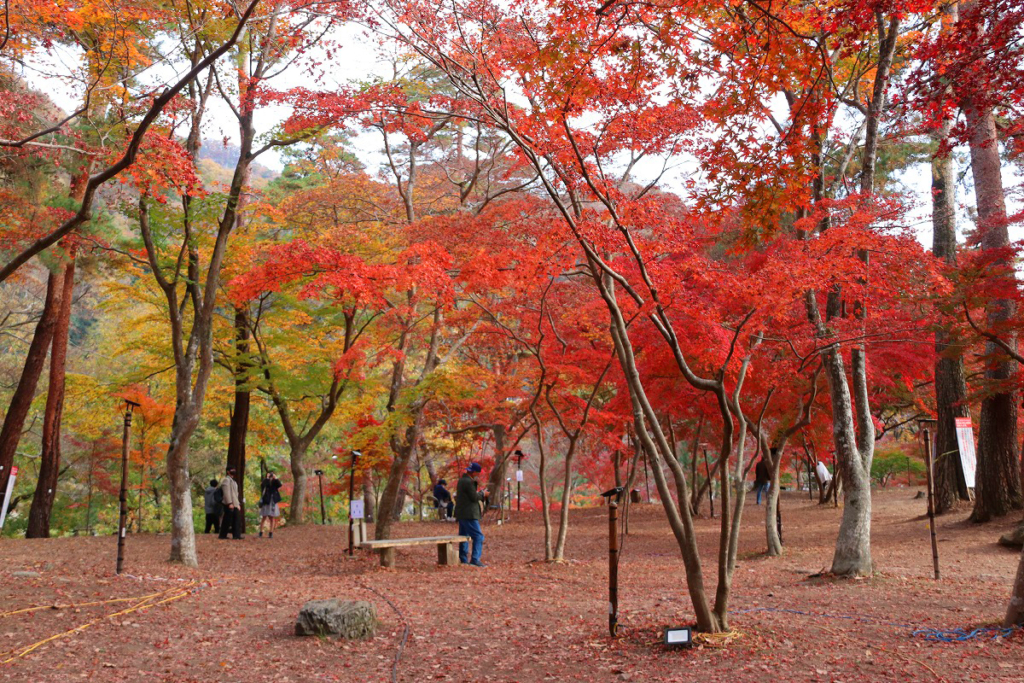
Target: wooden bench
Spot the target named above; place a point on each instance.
(446, 553)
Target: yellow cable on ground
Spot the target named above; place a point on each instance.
(144, 603)
(73, 605)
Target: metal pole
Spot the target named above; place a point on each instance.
(351, 487)
(931, 501)
(323, 510)
(123, 518)
(519, 494)
(613, 567)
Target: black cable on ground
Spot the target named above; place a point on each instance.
(405, 632)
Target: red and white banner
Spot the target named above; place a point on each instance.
(7, 495)
(965, 440)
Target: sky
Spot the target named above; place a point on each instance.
(356, 56)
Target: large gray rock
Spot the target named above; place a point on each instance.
(351, 619)
(1014, 538)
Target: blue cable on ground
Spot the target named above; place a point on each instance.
(960, 635)
(935, 635)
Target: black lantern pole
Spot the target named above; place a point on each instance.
(323, 511)
(519, 480)
(351, 491)
(123, 517)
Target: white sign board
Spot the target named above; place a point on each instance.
(356, 512)
(519, 475)
(7, 495)
(965, 441)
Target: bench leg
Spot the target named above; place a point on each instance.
(387, 557)
(445, 554)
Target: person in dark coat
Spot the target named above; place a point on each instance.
(443, 498)
(212, 507)
(762, 480)
(270, 496)
(467, 511)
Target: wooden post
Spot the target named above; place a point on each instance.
(351, 489)
(446, 554)
(613, 567)
(931, 501)
(123, 517)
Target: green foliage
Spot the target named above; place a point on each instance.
(893, 463)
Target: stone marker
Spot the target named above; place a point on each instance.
(350, 619)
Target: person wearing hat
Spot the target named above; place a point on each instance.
(467, 511)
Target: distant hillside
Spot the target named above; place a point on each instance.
(226, 156)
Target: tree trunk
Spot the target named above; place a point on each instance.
(998, 485)
(21, 401)
(854, 439)
(240, 414)
(390, 496)
(679, 517)
(369, 500)
(496, 480)
(542, 471)
(950, 384)
(563, 517)
(853, 545)
(771, 506)
(49, 460)
(183, 535)
(396, 513)
(297, 511)
(1015, 610)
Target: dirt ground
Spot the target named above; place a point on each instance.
(517, 619)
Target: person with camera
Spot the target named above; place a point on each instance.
(467, 511)
(270, 496)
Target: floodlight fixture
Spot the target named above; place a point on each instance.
(678, 636)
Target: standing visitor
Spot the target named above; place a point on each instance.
(761, 479)
(212, 507)
(270, 496)
(467, 511)
(232, 507)
(824, 476)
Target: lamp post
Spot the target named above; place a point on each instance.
(123, 517)
(323, 511)
(613, 496)
(351, 489)
(519, 480)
